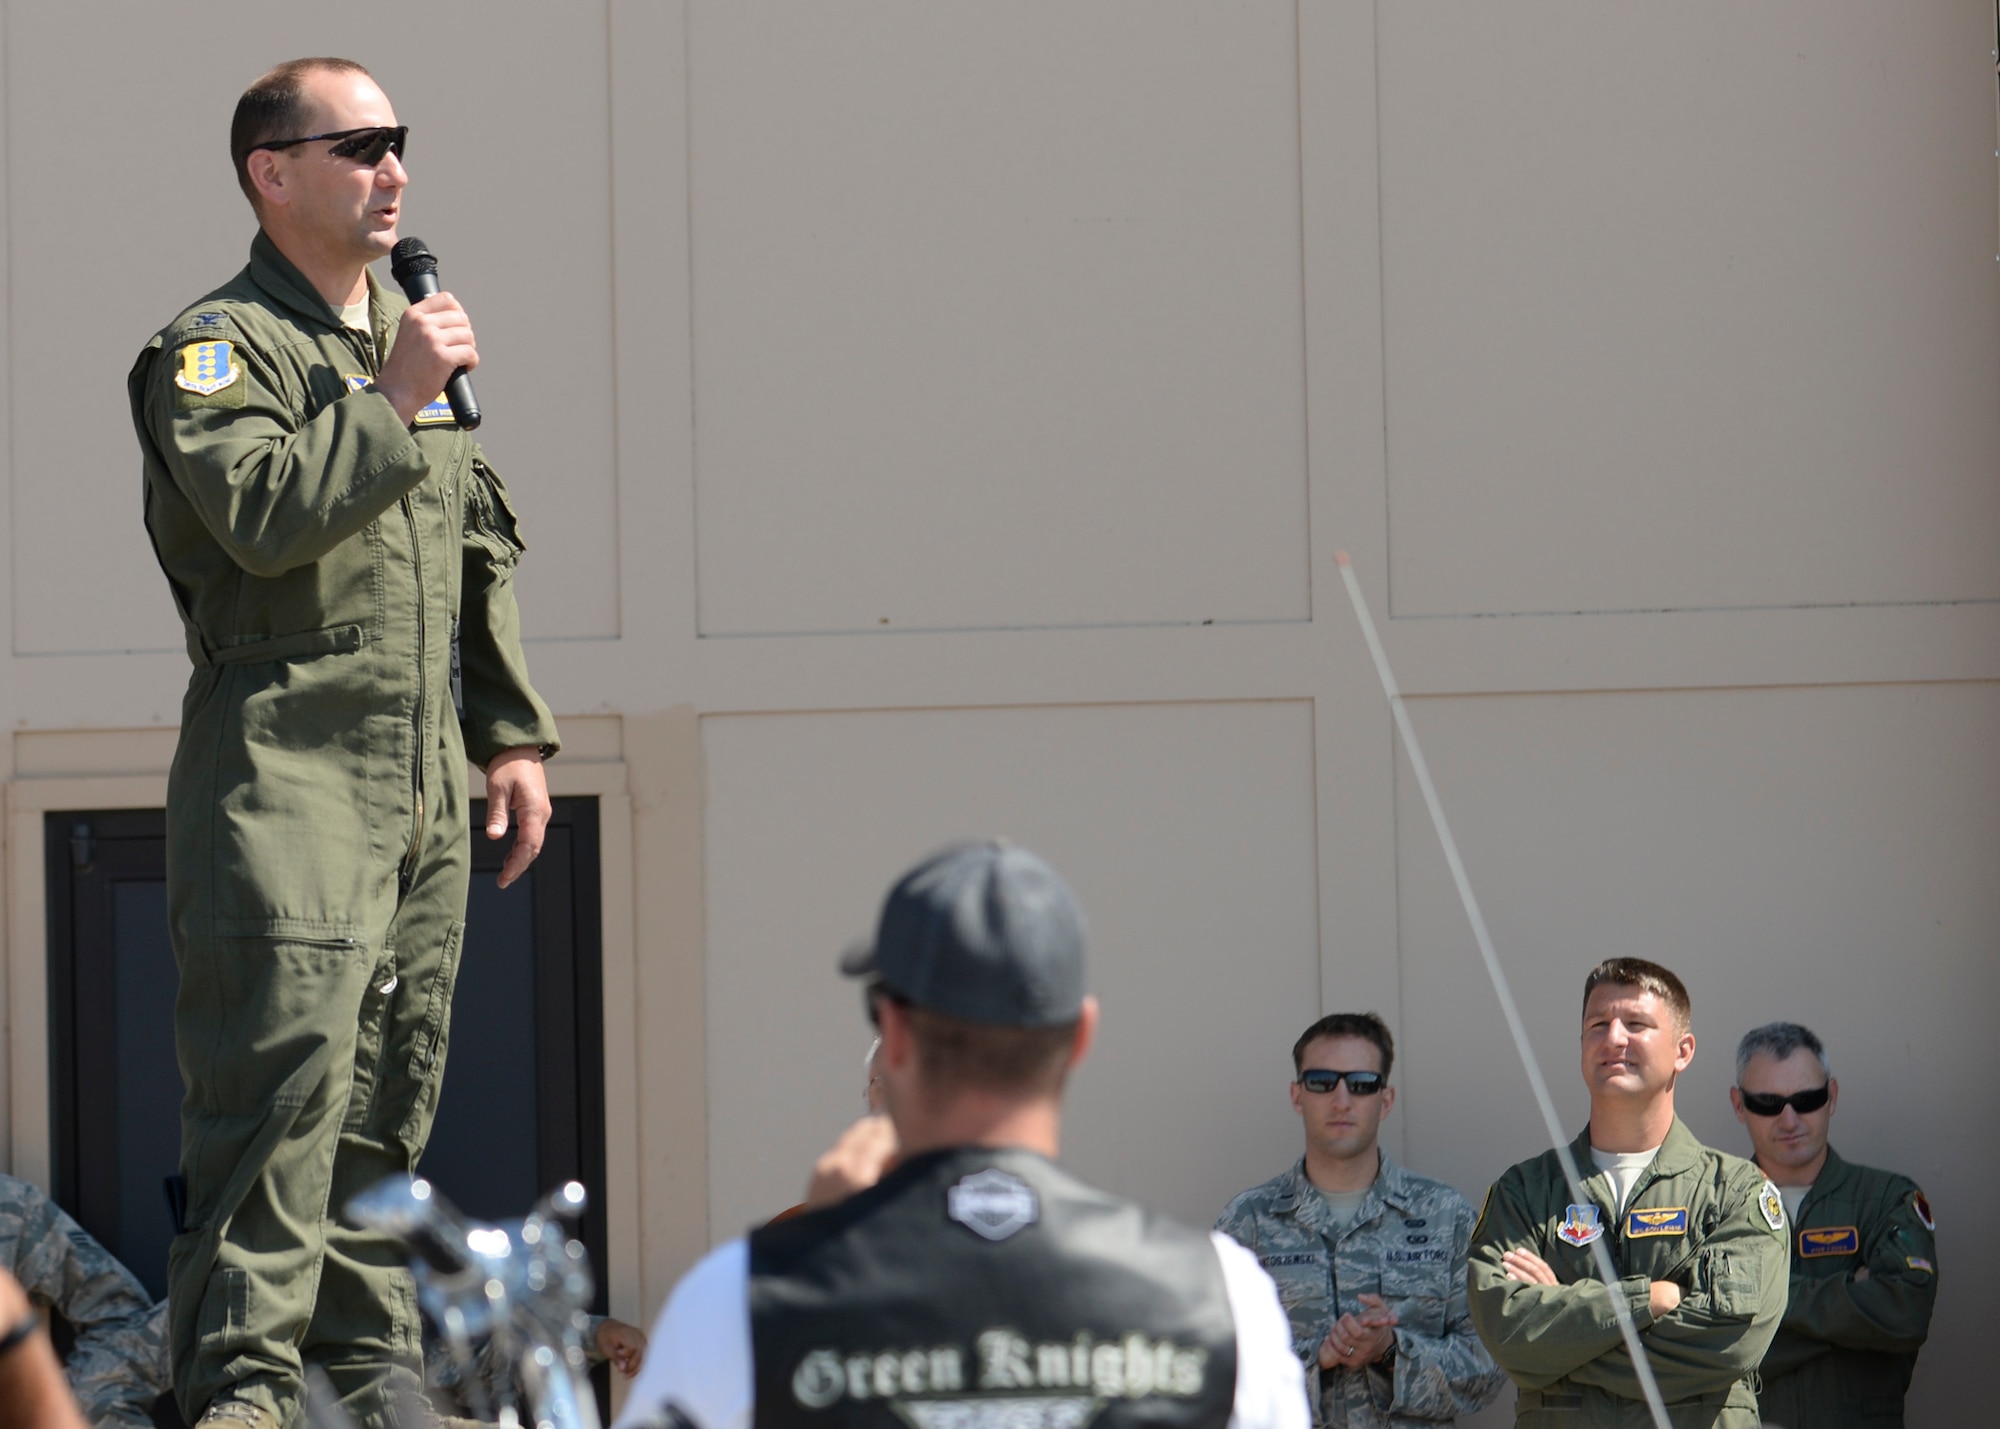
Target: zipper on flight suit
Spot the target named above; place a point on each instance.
(409, 869)
(406, 874)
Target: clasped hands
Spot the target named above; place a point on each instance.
(1356, 1340)
(1526, 1266)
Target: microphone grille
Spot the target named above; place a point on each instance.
(410, 256)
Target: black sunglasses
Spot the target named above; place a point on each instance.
(1362, 1084)
(1771, 1104)
(367, 145)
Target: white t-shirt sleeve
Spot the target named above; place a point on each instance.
(698, 1356)
(1270, 1384)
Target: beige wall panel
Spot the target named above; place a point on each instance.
(1187, 831)
(1822, 855)
(516, 205)
(997, 315)
(1689, 305)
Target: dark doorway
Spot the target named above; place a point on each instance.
(522, 1108)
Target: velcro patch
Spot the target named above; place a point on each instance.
(434, 413)
(1291, 1258)
(209, 376)
(1829, 1240)
(1917, 1262)
(1434, 1255)
(1772, 1205)
(1656, 1220)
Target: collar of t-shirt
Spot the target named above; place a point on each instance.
(1343, 1206)
(355, 315)
(1793, 1197)
(1623, 1168)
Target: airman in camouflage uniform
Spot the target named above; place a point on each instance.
(118, 1365)
(1376, 1298)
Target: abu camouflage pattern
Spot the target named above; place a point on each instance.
(118, 1365)
(1407, 1244)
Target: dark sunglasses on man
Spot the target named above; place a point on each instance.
(1361, 1084)
(368, 146)
(1771, 1104)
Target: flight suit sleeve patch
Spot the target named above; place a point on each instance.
(1917, 1262)
(1923, 1209)
(208, 373)
(1772, 1205)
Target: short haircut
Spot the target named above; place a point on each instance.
(1647, 977)
(1779, 1040)
(274, 108)
(1365, 1025)
(959, 1056)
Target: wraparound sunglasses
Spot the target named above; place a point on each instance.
(1771, 1104)
(367, 145)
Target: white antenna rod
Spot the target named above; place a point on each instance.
(1600, 1256)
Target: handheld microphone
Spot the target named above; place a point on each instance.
(415, 267)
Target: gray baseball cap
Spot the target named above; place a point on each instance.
(984, 932)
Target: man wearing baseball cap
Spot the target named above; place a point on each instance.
(977, 1285)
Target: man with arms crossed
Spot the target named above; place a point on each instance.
(976, 1283)
(1864, 1264)
(1369, 1258)
(1697, 1238)
(342, 560)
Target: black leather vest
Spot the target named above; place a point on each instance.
(988, 1289)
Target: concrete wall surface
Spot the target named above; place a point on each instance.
(931, 421)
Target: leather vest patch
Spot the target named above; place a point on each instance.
(981, 1289)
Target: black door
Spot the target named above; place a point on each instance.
(523, 1103)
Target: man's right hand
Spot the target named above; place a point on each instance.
(862, 1156)
(433, 340)
(1665, 1297)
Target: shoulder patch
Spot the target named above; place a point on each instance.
(1923, 1209)
(1917, 1262)
(434, 413)
(207, 367)
(208, 375)
(1829, 1240)
(1772, 1205)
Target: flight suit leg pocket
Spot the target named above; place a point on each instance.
(285, 1015)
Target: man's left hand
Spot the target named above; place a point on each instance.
(516, 785)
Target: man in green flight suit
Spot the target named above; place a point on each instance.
(1864, 1262)
(1697, 1237)
(342, 560)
